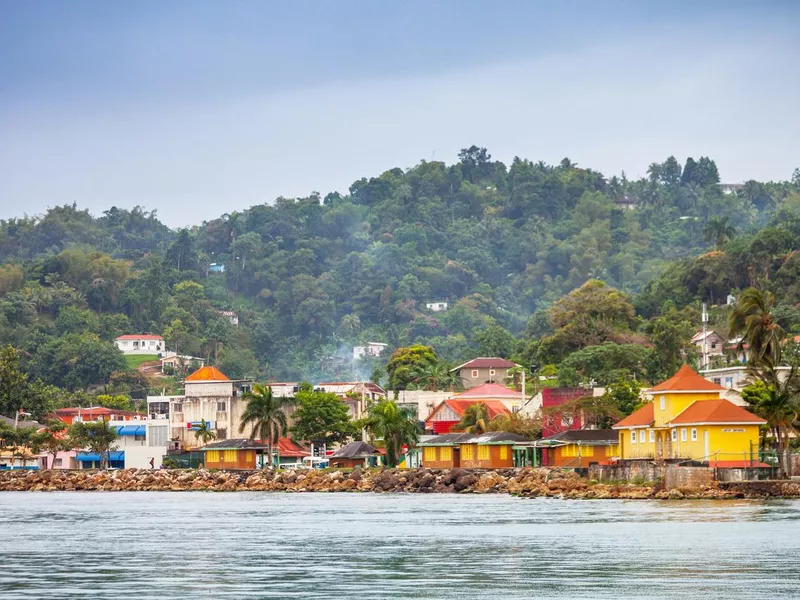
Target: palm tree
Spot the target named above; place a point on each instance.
(394, 425)
(204, 433)
(435, 377)
(718, 231)
(778, 405)
(474, 420)
(266, 413)
(753, 322)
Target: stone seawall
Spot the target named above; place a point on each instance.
(527, 482)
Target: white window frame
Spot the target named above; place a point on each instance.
(641, 436)
(683, 434)
(474, 373)
(662, 401)
(674, 435)
(652, 436)
(491, 372)
(694, 434)
(633, 436)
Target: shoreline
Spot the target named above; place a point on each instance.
(523, 482)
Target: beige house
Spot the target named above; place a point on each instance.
(483, 370)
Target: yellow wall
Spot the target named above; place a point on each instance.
(725, 443)
(675, 404)
(733, 442)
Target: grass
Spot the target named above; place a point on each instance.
(134, 361)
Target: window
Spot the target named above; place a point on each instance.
(652, 436)
(491, 372)
(662, 402)
(717, 380)
(212, 456)
(429, 454)
(683, 434)
(178, 407)
(445, 453)
(586, 450)
(694, 434)
(674, 435)
(633, 437)
(230, 456)
(222, 406)
(729, 382)
(466, 452)
(57, 463)
(139, 437)
(641, 436)
(474, 373)
(503, 452)
(713, 345)
(483, 452)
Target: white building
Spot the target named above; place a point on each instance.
(142, 441)
(371, 349)
(140, 344)
(230, 315)
(436, 306)
(179, 362)
(734, 379)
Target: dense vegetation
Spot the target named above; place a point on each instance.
(549, 265)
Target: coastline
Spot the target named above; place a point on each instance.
(523, 482)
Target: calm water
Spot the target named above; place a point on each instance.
(262, 545)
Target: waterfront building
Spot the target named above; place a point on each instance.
(578, 449)
(235, 454)
(688, 420)
(489, 450)
(355, 454)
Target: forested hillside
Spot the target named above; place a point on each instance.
(312, 277)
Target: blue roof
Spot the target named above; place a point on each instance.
(131, 430)
(95, 456)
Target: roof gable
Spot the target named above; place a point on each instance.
(639, 418)
(687, 380)
(460, 406)
(208, 374)
(484, 362)
(715, 411)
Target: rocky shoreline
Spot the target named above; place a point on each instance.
(526, 482)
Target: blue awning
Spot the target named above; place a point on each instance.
(116, 455)
(131, 430)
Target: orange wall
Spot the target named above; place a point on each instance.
(498, 459)
(437, 457)
(563, 456)
(245, 459)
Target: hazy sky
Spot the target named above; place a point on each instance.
(200, 108)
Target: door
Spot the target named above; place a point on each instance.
(456, 457)
(705, 442)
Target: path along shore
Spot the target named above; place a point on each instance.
(527, 482)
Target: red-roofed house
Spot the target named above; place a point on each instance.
(687, 420)
(449, 412)
(140, 343)
(483, 370)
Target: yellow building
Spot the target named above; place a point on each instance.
(688, 420)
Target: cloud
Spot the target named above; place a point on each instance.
(620, 104)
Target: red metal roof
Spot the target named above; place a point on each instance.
(489, 390)
(715, 411)
(483, 362)
(638, 418)
(291, 449)
(687, 380)
(208, 374)
(145, 336)
(460, 406)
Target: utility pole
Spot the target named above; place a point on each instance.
(705, 335)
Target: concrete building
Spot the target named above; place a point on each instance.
(436, 306)
(734, 379)
(483, 370)
(230, 315)
(373, 349)
(140, 344)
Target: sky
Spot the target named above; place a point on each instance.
(198, 108)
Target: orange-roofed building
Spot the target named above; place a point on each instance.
(449, 412)
(688, 420)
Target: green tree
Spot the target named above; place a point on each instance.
(474, 420)
(204, 432)
(322, 418)
(752, 320)
(435, 377)
(94, 436)
(266, 415)
(495, 341)
(405, 362)
(718, 231)
(394, 425)
(779, 406)
(13, 382)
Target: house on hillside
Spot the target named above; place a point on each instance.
(734, 379)
(688, 420)
(230, 315)
(373, 349)
(449, 412)
(708, 344)
(579, 448)
(140, 343)
(356, 394)
(483, 370)
(178, 363)
(437, 306)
